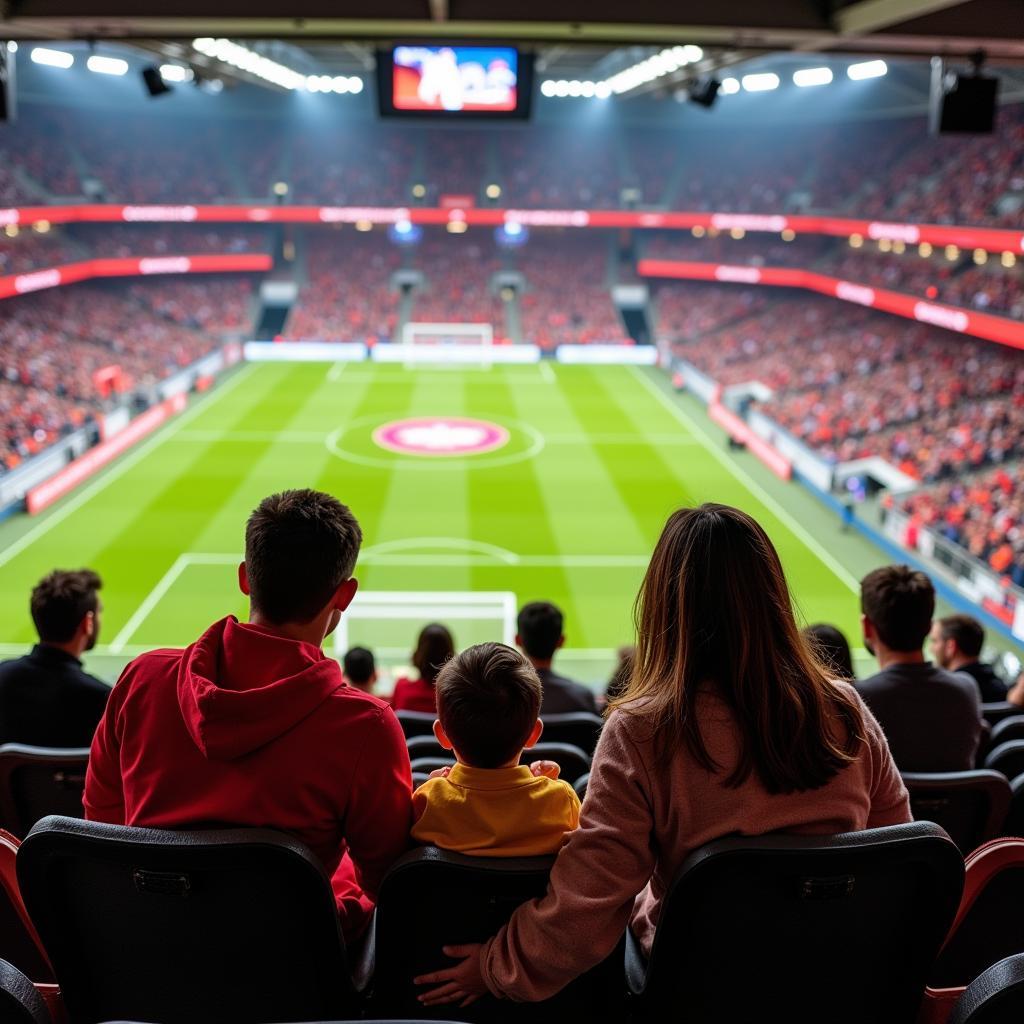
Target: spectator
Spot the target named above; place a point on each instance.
(252, 725)
(46, 699)
(729, 727)
(832, 649)
(488, 805)
(540, 635)
(620, 677)
(931, 717)
(360, 669)
(956, 643)
(433, 648)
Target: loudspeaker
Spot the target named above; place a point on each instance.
(961, 103)
(704, 91)
(155, 85)
(8, 106)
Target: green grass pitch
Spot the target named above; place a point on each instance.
(567, 511)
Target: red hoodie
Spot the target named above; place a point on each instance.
(246, 728)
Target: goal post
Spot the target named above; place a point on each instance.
(440, 343)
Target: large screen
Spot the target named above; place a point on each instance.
(454, 81)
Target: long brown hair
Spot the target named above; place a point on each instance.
(714, 611)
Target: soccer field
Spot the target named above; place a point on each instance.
(567, 509)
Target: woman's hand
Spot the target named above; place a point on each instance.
(462, 984)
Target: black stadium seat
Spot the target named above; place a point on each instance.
(970, 806)
(802, 929)
(1007, 758)
(433, 898)
(1011, 728)
(37, 781)
(1014, 824)
(577, 728)
(426, 765)
(20, 1003)
(204, 927)
(416, 723)
(427, 746)
(581, 786)
(995, 713)
(994, 997)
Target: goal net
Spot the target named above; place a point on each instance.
(388, 621)
(447, 343)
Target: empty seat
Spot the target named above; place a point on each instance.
(993, 713)
(416, 723)
(970, 806)
(801, 929)
(433, 898)
(234, 925)
(1007, 758)
(577, 728)
(427, 746)
(37, 781)
(994, 997)
(1011, 728)
(20, 1003)
(1014, 824)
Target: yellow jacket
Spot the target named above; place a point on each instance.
(495, 812)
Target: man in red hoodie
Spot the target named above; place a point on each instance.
(253, 725)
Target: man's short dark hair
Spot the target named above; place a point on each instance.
(300, 546)
(61, 600)
(488, 699)
(540, 628)
(966, 630)
(359, 665)
(900, 603)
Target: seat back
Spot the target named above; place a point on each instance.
(427, 746)
(20, 1003)
(1007, 758)
(577, 728)
(572, 762)
(970, 806)
(1014, 824)
(993, 713)
(416, 723)
(426, 765)
(802, 929)
(989, 924)
(176, 926)
(994, 997)
(433, 898)
(20, 945)
(37, 781)
(1011, 728)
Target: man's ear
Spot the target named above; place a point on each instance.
(243, 579)
(88, 625)
(344, 594)
(535, 733)
(561, 642)
(519, 640)
(441, 736)
(867, 627)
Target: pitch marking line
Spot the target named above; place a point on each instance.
(119, 468)
(748, 481)
(546, 373)
(314, 437)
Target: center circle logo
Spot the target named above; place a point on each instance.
(441, 435)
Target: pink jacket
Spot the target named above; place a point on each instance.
(638, 824)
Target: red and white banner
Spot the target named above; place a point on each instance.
(71, 273)
(738, 430)
(964, 237)
(95, 459)
(965, 321)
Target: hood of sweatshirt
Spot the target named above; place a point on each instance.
(240, 687)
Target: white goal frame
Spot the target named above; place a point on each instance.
(458, 352)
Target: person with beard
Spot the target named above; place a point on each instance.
(46, 698)
(931, 717)
(956, 643)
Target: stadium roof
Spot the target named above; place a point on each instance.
(920, 27)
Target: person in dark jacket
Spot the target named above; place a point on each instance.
(539, 636)
(46, 698)
(956, 643)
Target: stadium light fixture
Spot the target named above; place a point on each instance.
(925, 249)
(867, 69)
(806, 77)
(764, 81)
(364, 225)
(1008, 259)
(51, 58)
(952, 253)
(664, 63)
(280, 188)
(493, 191)
(981, 257)
(730, 86)
(419, 191)
(254, 63)
(107, 65)
(12, 47)
(856, 241)
(547, 87)
(41, 227)
(698, 231)
(176, 73)
(11, 231)
(788, 235)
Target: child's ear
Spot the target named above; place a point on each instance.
(441, 736)
(538, 728)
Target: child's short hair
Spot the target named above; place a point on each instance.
(359, 665)
(488, 699)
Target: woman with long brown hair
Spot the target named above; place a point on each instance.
(728, 725)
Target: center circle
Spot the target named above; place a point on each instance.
(435, 436)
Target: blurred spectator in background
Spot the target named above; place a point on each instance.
(956, 643)
(46, 699)
(931, 717)
(360, 669)
(832, 649)
(434, 647)
(540, 635)
(620, 677)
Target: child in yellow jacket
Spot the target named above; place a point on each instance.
(488, 805)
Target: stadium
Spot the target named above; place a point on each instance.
(596, 438)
